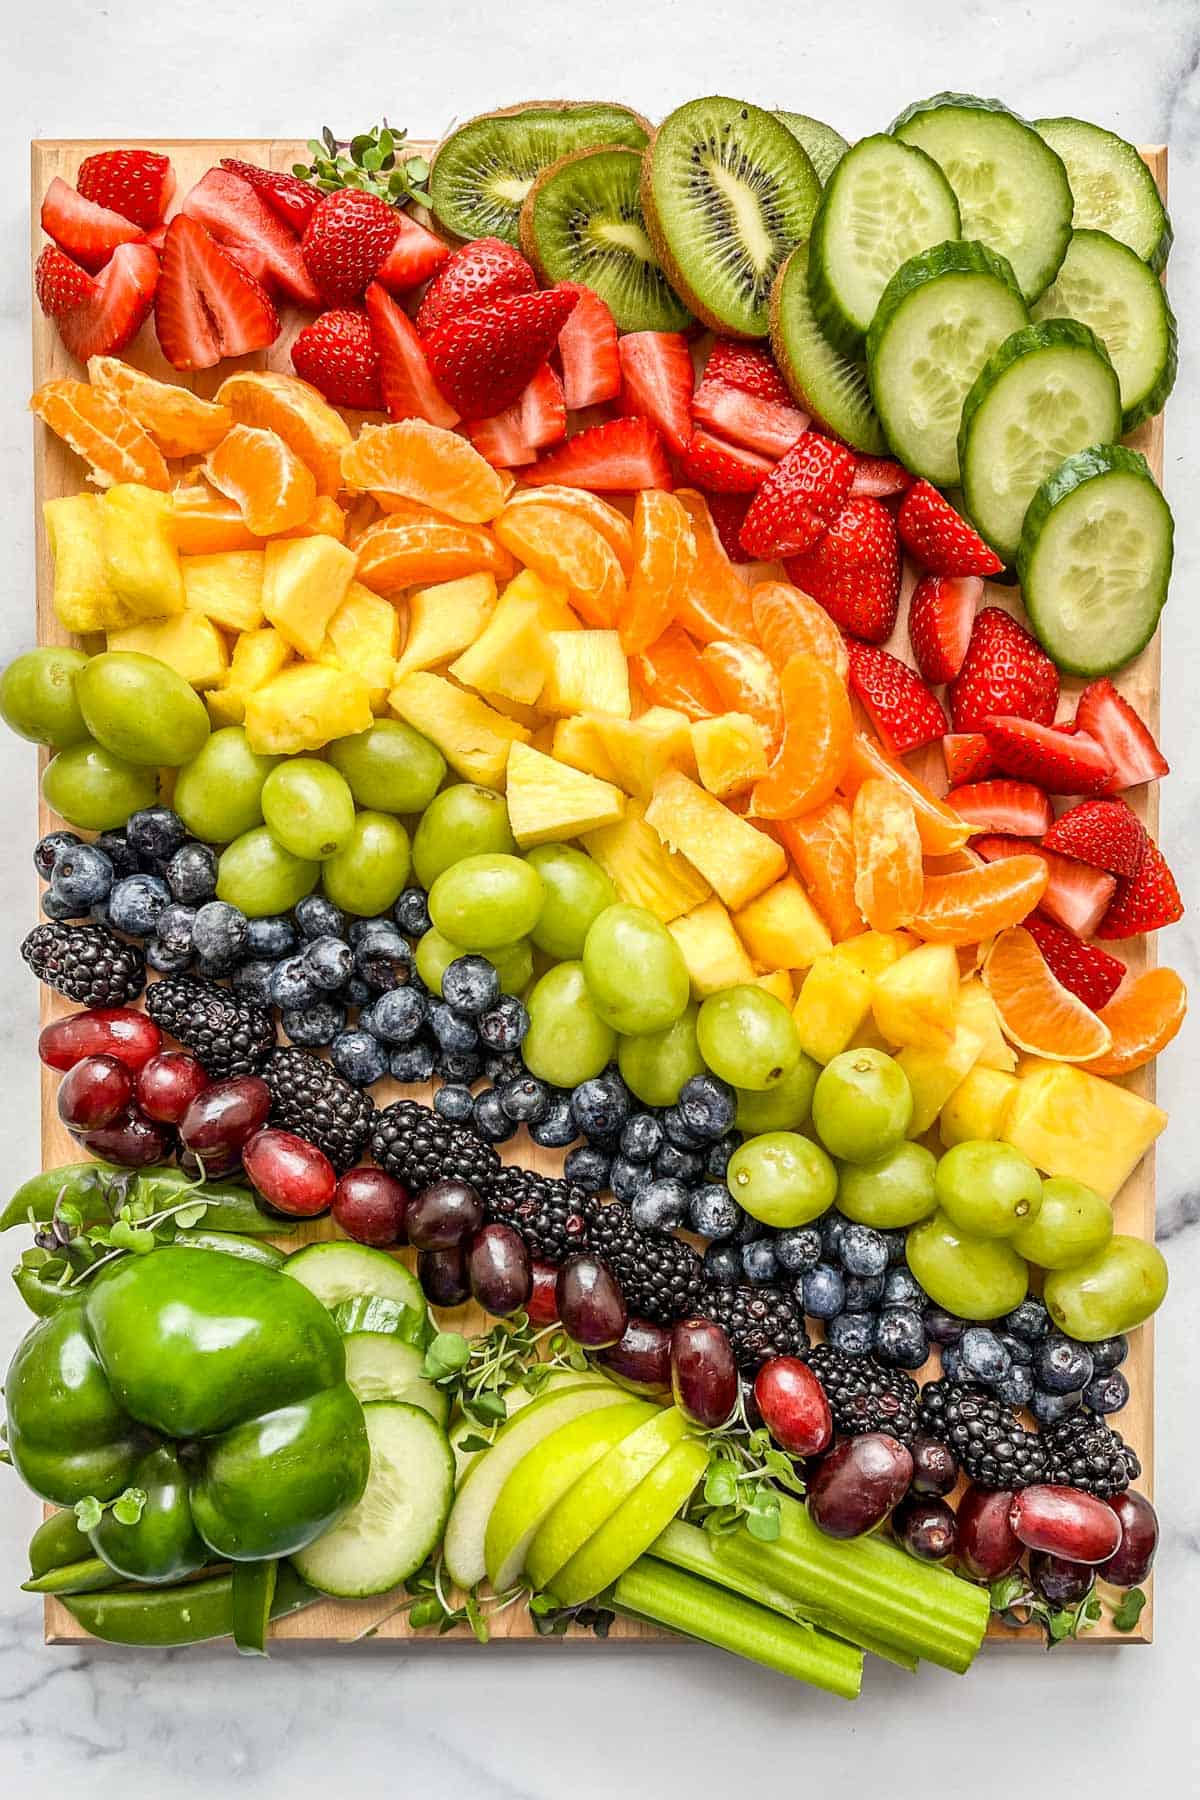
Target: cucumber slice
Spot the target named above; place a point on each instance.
(884, 202)
(387, 1534)
(374, 1313)
(940, 317)
(1012, 187)
(827, 384)
(341, 1271)
(1048, 391)
(386, 1368)
(824, 146)
(1114, 190)
(1095, 560)
(1105, 284)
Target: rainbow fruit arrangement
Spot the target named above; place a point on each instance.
(540, 741)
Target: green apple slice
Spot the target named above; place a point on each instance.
(594, 1498)
(543, 1476)
(486, 1475)
(634, 1526)
(515, 1401)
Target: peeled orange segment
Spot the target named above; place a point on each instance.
(1037, 1013)
(1142, 1017)
(424, 463)
(301, 416)
(670, 673)
(788, 621)
(821, 844)
(564, 549)
(102, 431)
(180, 422)
(401, 553)
(397, 507)
(961, 909)
(664, 555)
(940, 826)
(207, 522)
(954, 862)
(817, 731)
(888, 876)
(325, 520)
(717, 601)
(273, 488)
(612, 524)
(748, 684)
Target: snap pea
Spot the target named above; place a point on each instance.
(253, 1595)
(40, 1294)
(159, 1618)
(87, 1576)
(56, 1541)
(85, 1185)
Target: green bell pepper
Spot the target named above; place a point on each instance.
(214, 1384)
(87, 1185)
(188, 1614)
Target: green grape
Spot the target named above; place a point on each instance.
(261, 877)
(390, 767)
(895, 1189)
(90, 787)
(656, 1065)
(782, 1179)
(485, 901)
(218, 795)
(308, 807)
(577, 891)
(367, 875)
(140, 709)
(748, 1037)
(1115, 1290)
(1072, 1224)
(460, 821)
(635, 971)
(784, 1107)
(567, 1041)
(977, 1278)
(988, 1189)
(513, 964)
(38, 699)
(862, 1105)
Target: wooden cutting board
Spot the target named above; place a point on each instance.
(59, 471)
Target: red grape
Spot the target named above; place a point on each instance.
(1132, 1562)
(444, 1215)
(935, 1466)
(542, 1305)
(498, 1270)
(443, 1276)
(120, 1031)
(1060, 1582)
(291, 1174)
(924, 1524)
(219, 1120)
(131, 1139)
(794, 1406)
(641, 1357)
(94, 1092)
(590, 1303)
(369, 1206)
(167, 1085)
(1067, 1522)
(856, 1485)
(987, 1546)
(704, 1377)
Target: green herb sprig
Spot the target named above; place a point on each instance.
(746, 1473)
(1016, 1604)
(478, 1373)
(373, 161)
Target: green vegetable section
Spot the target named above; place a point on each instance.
(162, 1618)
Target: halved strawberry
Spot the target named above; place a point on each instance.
(1014, 807)
(536, 418)
(940, 538)
(59, 283)
(748, 367)
(1076, 896)
(88, 233)
(413, 257)
(967, 757)
(800, 498)
(587, 346)
(1062, 765)
(481, 360)
(720, 468)
(855, 570)
(476, 274)
(337, 354)
(941, 616)
(903, 711)
(233, 213)
(138, 184)
(1107, 716)
(207, 307)
(1148, 902)
(1104, 833)
(1087, 971)
(1005, 671)
(728, 514)
(111, 316)
(291, 200)
(656, 382)
(764, 425)
(879, 476)
(409, 390)
(618, 457)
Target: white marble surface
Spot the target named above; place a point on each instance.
(539, 1721)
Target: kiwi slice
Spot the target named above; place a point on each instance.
(825, 146)
(483, 170)
(727, 191)
(582, 221)
(830, 386)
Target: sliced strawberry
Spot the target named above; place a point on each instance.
(728, 513)
(501, 440)
(536, 418)
(967, 757)
(481, 360)
(1108, 716)
(252, 260)
(291, 200)
(855, 570)
(1037, 753)
(587, 345)
(746, 366)
(337, 354)
(233, 213)
(1005, 671)
(940, 538)
(88, 233)
(941, 616)
(903, 711)
(405, 378)
(1076, 896)
(114, 313)
(413, 257)
(1148, 902)
(138, 184)
(61, 284)
(1104, 833)
(880, 477)
(619, 457)
(800, 498)
(207, 306)
(476, 274)
(656, 382)
(721, 468)
(764, 425)
(1087, 971)
(1015, 807)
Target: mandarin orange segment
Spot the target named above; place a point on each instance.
(102, 431)
(888, 876)
(397, 554)
(293, 409)
(564, 549)
(1142, 1017)
(612, 525)
(1037, 1013)
(670, 673)
(424, 463)
(942, 830)
(817, 731)
(788, 621)
(962, 908)
(273, 487)
(325, 520)
(207, 522)
(821, 844)
(180, 422)
(717, 601)
(664, 555)
(747, 683)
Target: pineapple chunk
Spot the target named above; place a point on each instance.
(778, 982)
(711, 949)
(227, 587)
(831, 1007)
(736, 859)
(257, 658)
(305, 580)
(1068, 1122)
(977, 1009)
(978, 1107)
(83, 598)
(472, 736)
(547, 801)
(730, 753)
(587, 673)
(782, 929)
(871, 952)
(189, 643)
(933, 1075)
(577, 741)
(444, 619)
(306, 706)
(640, 750)
(364, 637)
(554, 609)
(226, 706)
(642, 869)
(509, 659)
(140, 558)
(916, 1000)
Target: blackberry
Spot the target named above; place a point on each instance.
(984, 1434)
(86, 963)
(227, 1034)
(864, 1396)
(660, 1276)
(550, 1214)
(1083, 1452)
(413, 1144)
(761, 1322)
(309, 1097)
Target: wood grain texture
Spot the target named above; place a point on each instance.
(59, 471)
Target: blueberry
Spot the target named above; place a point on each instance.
(383, 958)
(411, 1062)
(713, 1212)
(626, 1178)
(135, 904)
(895, 1241)
(526, 1100)
(557, 1129)
(717, 1160)
(453, 1102)
(982, 1356)
(396, 1017)
(1048, 1408)
(357, 929)
(659, 1206)
(358, 1056)
(1015, 1388)
(723, 1265)
(291, 988)
(641, 1136)
(191, 874)
(175, 931)
(678, 1165)
(55, 907)
(587, 1168)
(950, 1360)
(491, 1121)
(504, 1025)
(1018, 1349)
(271, 938)
(1061, 1365)
(316, 917)
(82, 875)
(411, 912)
(460, 1067)
(1108, 1353)
(51, 846)
(863, 1292)
(471, 985)
(165, 961)
(942, 1327)
(901, 1288)
(452, 1030)
(851, 1333)
(1030, 1321)
(356, 992)
(900, 1340)
(862, 1251)
(679, 1132)
(219, 933)
(253, 980)
(314, 1025)
(822, 1291)
(832, 1225)
(760, 1263)
(601, 1105)
(1106, 1393)
(799, 1249)
(510, 1067)
(707, 1107)
(117, 848)
(155, 833)
(328, 962)
(749, 1229)
(99, 913)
